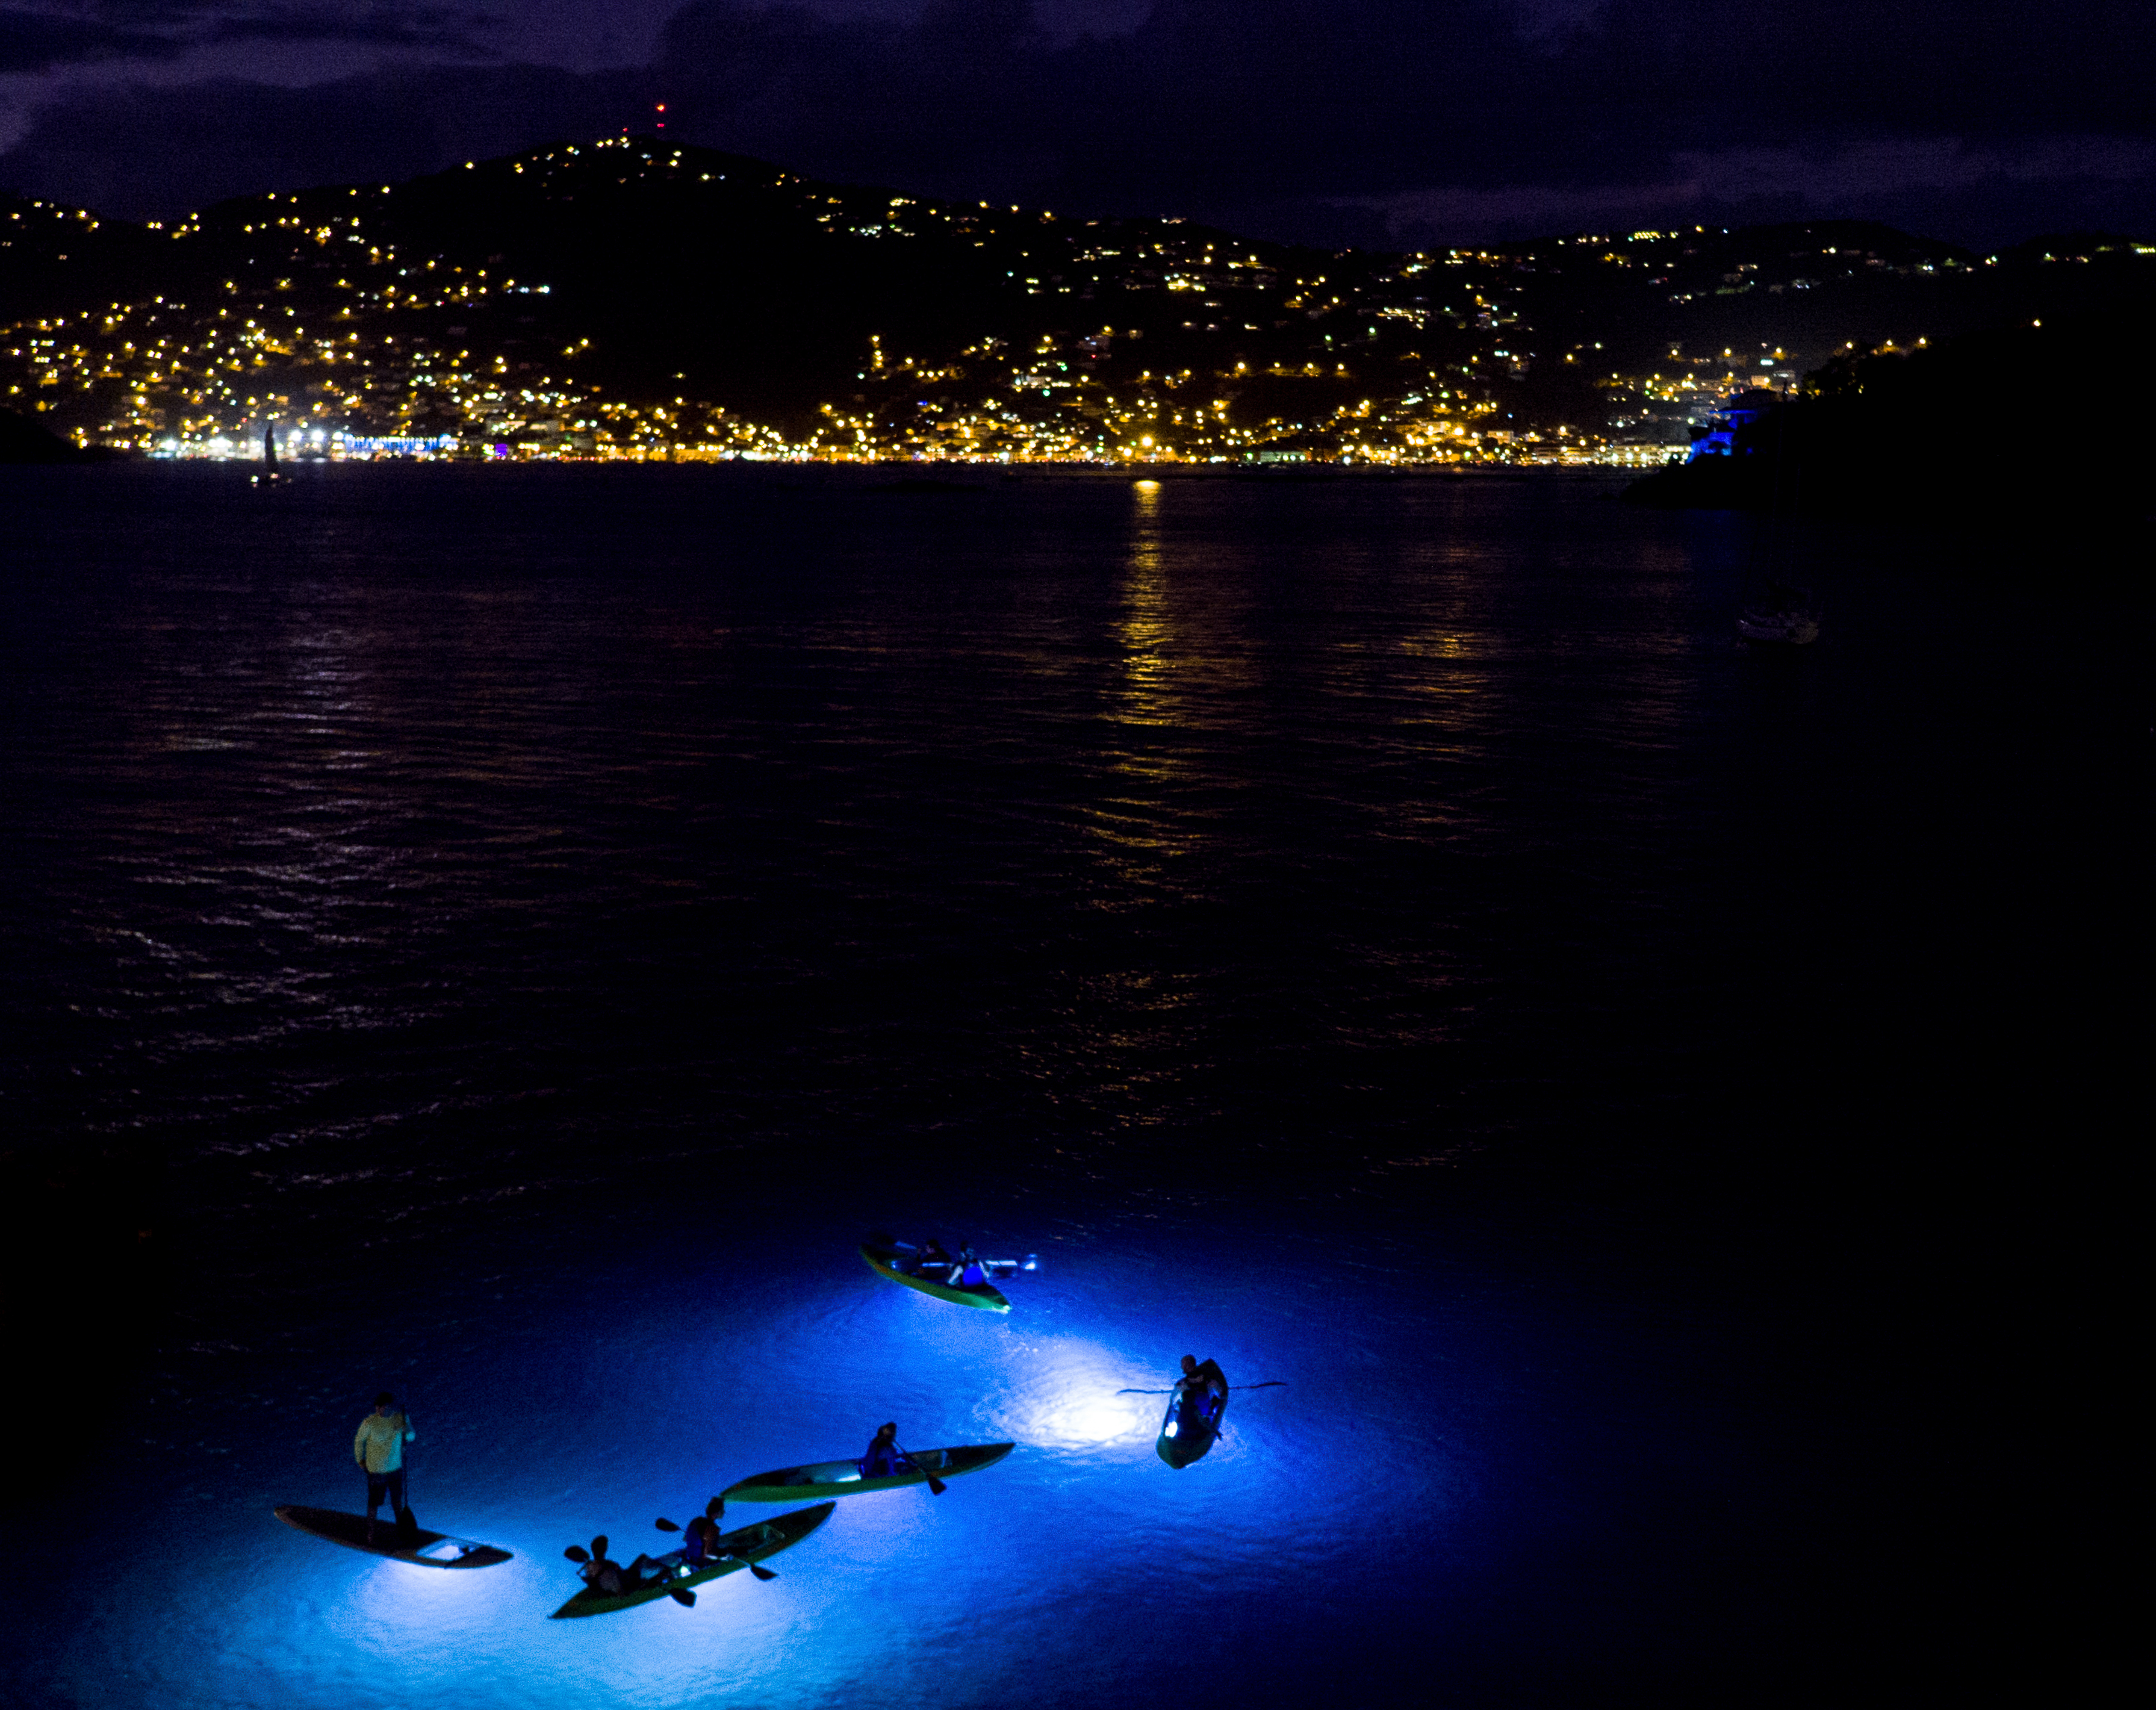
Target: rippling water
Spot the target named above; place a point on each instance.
(507, 933)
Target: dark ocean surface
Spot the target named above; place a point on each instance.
(505, 934)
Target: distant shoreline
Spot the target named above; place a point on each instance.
(897, 474)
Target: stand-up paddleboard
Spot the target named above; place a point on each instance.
(1193, 1421)
(897, 1260)
(670, 1574)
(422, 1547)
(843, 1478)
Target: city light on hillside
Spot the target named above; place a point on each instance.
(400, 342)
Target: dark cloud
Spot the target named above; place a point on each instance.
(1220, 102)
(54, 38)
(1327, 120)
(140, 154)
(425, 27)
(34, 42)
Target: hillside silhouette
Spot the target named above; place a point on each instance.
(633, 294)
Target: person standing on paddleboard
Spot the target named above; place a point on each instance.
(378, 1447)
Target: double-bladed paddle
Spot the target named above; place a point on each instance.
(575, 1552)
(1275, 1383)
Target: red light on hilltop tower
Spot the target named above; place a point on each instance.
(662, 115)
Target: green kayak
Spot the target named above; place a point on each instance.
(1193, 1421)
(419, 1546)
(890, 1259)
(670, 1574)
(843, 1478)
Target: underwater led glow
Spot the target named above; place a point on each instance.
(566, 1410)
(1060, 1392)
(1100, 1422)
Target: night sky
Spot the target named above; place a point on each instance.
(1392, 122)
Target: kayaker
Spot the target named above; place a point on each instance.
(699, 1541)
(970, 1272)
(611, 1580)
(885, 1458)
(933, 1254)
(378, 1447)
(1195, 1390)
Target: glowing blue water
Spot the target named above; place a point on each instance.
(1432, 1443)
(511, 937)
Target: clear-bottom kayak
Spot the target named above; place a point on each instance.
(1192, 1420)
(669, 1573)
(844, 1478)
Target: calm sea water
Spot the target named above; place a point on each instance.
(505, 934)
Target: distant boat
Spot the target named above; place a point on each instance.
(269, 470)
(1786, 619)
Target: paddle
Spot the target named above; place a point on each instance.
(407, 1522)
(1275, 1383)
(935, 1485)
(921, 1264)
(761, 1573)
(404, 1465)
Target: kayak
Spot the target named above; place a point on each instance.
(1187, 1431)
(670, 1574)
(422, 1548)
(884, 1259)
(843, 1478)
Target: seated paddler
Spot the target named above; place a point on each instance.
(609, 1579)
(699, 1542)
(1196, 1397)
(885, 1458)
(931, 1257)
(972, 1273)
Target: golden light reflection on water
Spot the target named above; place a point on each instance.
(1172, 651)
(1439, 644)
(1442, 670)
(1145, 631)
